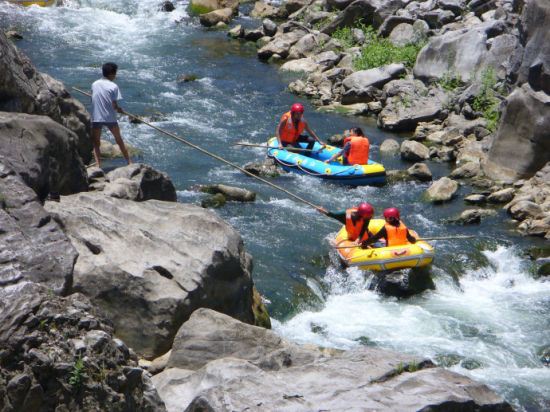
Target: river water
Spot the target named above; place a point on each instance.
(488, 316)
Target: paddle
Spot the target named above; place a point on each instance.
(423, 238)
(297, 149)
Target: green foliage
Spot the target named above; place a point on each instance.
(77, 374)
(378, 52)
(413, 367)
(345, 36)
(198, 9)
(450, 81)
(486, 101)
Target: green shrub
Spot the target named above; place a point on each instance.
(486, 102)
(77, 374)
(378, 52)
(450, 81)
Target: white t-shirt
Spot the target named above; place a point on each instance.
(104, 93)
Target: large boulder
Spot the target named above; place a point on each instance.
(59, 354)
(216, 16)
(534, 34)
(24, 89)
(34, 248)
(357, 85)
(43, 152)
(520, 146)
(225, 366)
(462, 53)
(150, 264)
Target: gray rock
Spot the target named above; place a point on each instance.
(143, 182)
(236, 32)
(269, 27)
(363, 9)
(402, 283)
(392, 22)
(230, 192)
(24, 89)
(150, 264)
(441, 190)
(420, 171)
(357, 85)
(460, 52)
(283, 376)
(44, 153)
(389, 146)
(502, 196)
(264, 10)
(466, 171)
(209, 335)
(514, 155)
(534, 66)
(280, 45)
(476, 199)
(414, 151)
(265, 168)
(34, 247)
(56, 349)
(525, 209)
(214, 17)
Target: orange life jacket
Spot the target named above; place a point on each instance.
(354, 229)
(397, 236)
(359, 150)
(289, 134)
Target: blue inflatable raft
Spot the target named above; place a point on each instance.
(311, 163)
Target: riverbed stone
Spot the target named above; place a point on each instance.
(356, 84)
(441, 190)
(214, 17)
(389, 146)
(150, 264)
(525, 209)
(230, 192)
(476, 199)
(280, 45)
(414, 151)
(502, 196)
(420, 171)
(466, 171)
(264, 10)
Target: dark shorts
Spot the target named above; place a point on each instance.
(99, 125)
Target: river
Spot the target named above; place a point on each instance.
(488, 316)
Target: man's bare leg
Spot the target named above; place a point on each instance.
(116, 133)
(96, 134)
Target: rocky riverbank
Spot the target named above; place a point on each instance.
(102, 274)
(467, 81)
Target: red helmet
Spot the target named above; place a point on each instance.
(391, 212)
(365, 210)
(297, 107)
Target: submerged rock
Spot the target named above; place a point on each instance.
(402, 283)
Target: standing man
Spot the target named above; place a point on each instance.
(105, 94)
(291, 126)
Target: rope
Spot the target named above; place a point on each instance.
(179, 139)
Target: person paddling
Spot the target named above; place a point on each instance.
(356, 220)
(105, 95)
(355, 149)
(291, 126)
(394, 231)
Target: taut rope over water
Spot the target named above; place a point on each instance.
(200, 149)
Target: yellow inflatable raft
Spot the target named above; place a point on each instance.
(382, 258)
(43, 3)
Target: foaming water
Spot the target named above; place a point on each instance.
(490, 326)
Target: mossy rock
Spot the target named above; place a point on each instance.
(365, 341)
(261, 317)
(470, 364)
(214, 202)
(448, 360)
